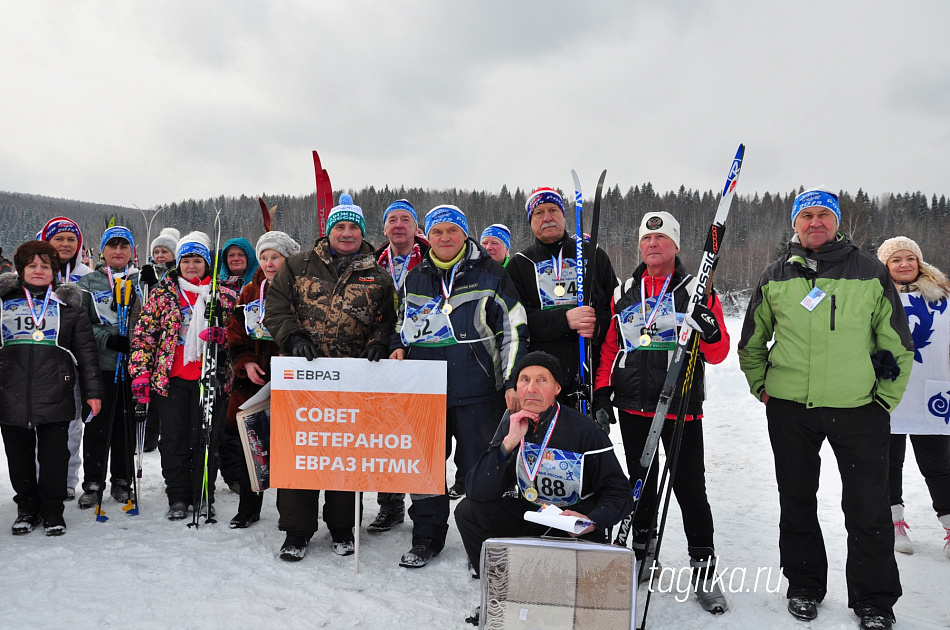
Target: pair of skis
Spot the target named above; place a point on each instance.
(703, 281)
(208, 387)
(586, 274)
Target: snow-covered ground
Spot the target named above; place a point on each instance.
(146, 572)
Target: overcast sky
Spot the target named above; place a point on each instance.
(152, 102)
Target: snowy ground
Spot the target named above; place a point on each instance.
(146, 572)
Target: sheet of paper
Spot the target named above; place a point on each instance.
(550, 516)
(262, 395)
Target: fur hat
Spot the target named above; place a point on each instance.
(25, 253)
(346, 211)
(194, 243)
(280, 242)
(661, 223)
(167, 238)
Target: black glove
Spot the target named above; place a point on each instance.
(301, 346)
(217, 311)
(119, 343)
(603, 408)
(374, 352)
(141, 412)
(702, 319)
(885, 366)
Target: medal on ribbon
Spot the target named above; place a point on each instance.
(38, 319)
(557, 263)
(531, 493)
(447, 290)
(645, 339)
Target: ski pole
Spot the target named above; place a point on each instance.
(582, 376)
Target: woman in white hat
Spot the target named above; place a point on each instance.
(924, 411)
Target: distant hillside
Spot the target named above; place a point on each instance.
(757, 230)
(23, 215)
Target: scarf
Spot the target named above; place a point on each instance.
(193, 345)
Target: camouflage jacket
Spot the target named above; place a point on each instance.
(343, 313)
(156, 334)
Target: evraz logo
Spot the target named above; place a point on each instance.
(939, 406)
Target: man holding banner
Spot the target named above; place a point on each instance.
(333, 301)
(459, 306)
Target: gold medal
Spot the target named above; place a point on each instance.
(531, 494)
(38, 335)
(259, 334)
(645, 340)
(447, 309)
(559, 291)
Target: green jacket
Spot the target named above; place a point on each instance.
(822, 357)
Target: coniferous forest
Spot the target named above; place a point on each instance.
(758, 225)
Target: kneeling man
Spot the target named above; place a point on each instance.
(544, 454)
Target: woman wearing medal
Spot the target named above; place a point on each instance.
(550, 454)
(250, 348)
(66, 237)
(100, 440)
(459, 306)
(167, 346)
(647, 311)
(43, 329)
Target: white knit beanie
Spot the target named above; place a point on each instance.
(661, 223)
(280, 242)
(167, 238)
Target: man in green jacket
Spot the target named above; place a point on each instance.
(826, 346)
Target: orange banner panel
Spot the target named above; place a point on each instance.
(358, 441)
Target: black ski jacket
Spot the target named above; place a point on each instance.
(549, 329)
(37, 381)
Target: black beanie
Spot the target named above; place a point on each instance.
(542, 359)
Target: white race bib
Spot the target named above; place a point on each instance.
(554, 292)
(18, 326)
(252, 324)
(560, 477)
(427, 324)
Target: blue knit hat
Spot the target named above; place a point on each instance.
(446, 214)
(543, 195)
(116, 231)
(499, 231)
(194, 243)
(401, 204)
(816, 197)
(346, 211)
